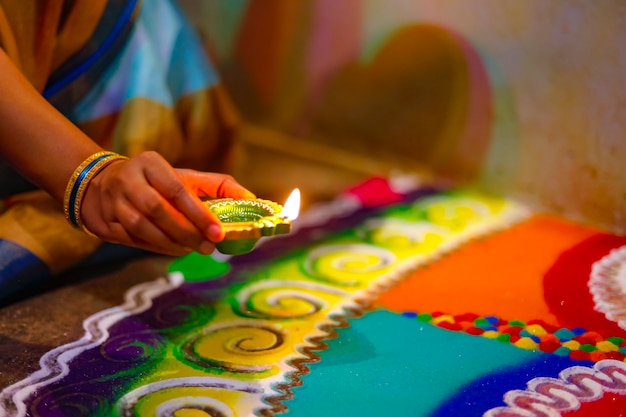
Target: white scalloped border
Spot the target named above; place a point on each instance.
(554, 396)
(55, 363)
(607, 284)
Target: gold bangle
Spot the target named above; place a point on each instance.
(78, 183)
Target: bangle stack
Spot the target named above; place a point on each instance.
(78, 183)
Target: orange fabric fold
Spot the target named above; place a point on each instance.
(39, 35)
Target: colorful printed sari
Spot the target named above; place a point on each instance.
(132, 75)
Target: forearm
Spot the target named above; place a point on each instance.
(35, 138)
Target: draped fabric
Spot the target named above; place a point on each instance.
(133, 76)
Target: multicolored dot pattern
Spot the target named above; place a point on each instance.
(576, 343)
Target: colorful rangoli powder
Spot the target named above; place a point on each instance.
(501, 274)
(536, 335)
(440, 298)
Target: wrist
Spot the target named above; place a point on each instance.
(79, 182)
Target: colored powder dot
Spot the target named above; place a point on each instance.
(445, 317)
(526, 343)
(572, 345)
(615, 355)
(491, 334)
(594, 336)
(548, 337)
(517, 323)
(450, 326)
(525, 333)
(562, 351)
(409, 314)
(590, 338)
(481, 321)
(512, 330)
(504, 337)
(466, 324)
(536, 330)
(425, 317)
(606, 346)
(623, 350)
(584, 340)
(579, 355)
(597, 356)
(549, 328)
(466, 317)
(489, 328)
(549, 345)
(564, 334)
(615, 340)
(492, 319)
(578, 330)
(474, 331)
(587, 347)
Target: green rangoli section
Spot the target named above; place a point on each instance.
(196, 267)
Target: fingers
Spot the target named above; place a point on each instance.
(209, 185)
(161, 202)
(213, 184)
(153, 211)
(115, 219)
(144, 202)
(183, 199)
(142, 230)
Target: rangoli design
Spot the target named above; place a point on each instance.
(424, 302)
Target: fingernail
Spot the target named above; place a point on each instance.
(215, 232)
(206, 247)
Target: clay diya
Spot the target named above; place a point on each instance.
(245, 221)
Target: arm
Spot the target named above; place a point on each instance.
(34, 137)
(143, 201)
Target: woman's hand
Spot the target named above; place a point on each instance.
(147, 203)
(142, 202)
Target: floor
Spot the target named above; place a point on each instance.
(418, 302)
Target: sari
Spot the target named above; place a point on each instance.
(133, 76)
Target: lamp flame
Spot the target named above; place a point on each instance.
(291, 209)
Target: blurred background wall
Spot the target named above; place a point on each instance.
(521, 98)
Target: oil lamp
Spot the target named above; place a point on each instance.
(245, 221)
